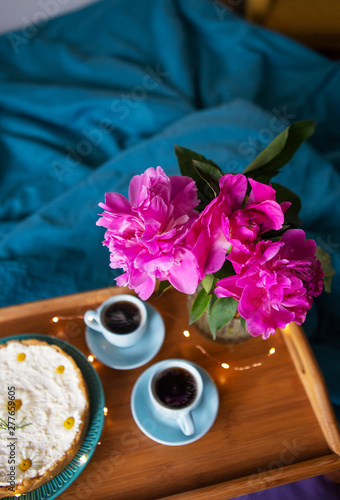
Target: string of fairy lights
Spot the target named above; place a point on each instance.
(224, 365)
(91, 357)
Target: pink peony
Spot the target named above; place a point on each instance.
(229, 223)
(261, 213)
(206, 237)
(276, 284)
(146, 234)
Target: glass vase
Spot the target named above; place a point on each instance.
(233, 333)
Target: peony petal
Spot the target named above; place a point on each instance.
(140, 185)
(183, 195)
(157, 212)
(233, 186)
(299, 246)
(122, 280)
(216, 255)
(267, 215)
(184, 276)
(116, 203)
(146, 289)
(150, 263)
(260, 192)
(134, 190)
(228, 287)
(285, 205)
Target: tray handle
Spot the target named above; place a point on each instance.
(313, 382)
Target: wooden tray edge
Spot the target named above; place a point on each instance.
(257, 482)
(52, 304)
(313, 382)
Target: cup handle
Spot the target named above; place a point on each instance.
(91, 319)
(186, 424)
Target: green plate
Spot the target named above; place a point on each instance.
(59, 483)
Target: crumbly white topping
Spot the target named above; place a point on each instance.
(47, 399)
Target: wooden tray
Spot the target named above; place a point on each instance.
(275, 423)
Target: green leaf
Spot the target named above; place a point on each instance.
(208, 283)
(185, 159)
(22, 426)
(209, 174)
(199, 306)
(221, 313)
(284, 194)
(187, 155)
(326, 266)
(279, 151)
(212, 302)
(164, 285)
(243, 323)
(3, 424)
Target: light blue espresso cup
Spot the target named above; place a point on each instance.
(95, 319)
(182, 414)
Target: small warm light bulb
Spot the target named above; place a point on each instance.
(83, 459)
(225, 366)
(105, 410)
(90, 358)
(272, 351)
(186, 333)
(99, 443)
(55, 319)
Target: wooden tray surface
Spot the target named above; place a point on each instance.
(266, 432)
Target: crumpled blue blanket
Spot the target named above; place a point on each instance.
(99, 95)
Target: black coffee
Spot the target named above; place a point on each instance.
(175, 387)
(122, 317)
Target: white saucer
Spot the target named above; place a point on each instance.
(166, 431)
(131, 357)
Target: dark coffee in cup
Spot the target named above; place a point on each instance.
(175, 387)
(122, 317)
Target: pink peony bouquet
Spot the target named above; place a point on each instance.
(236, 235)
